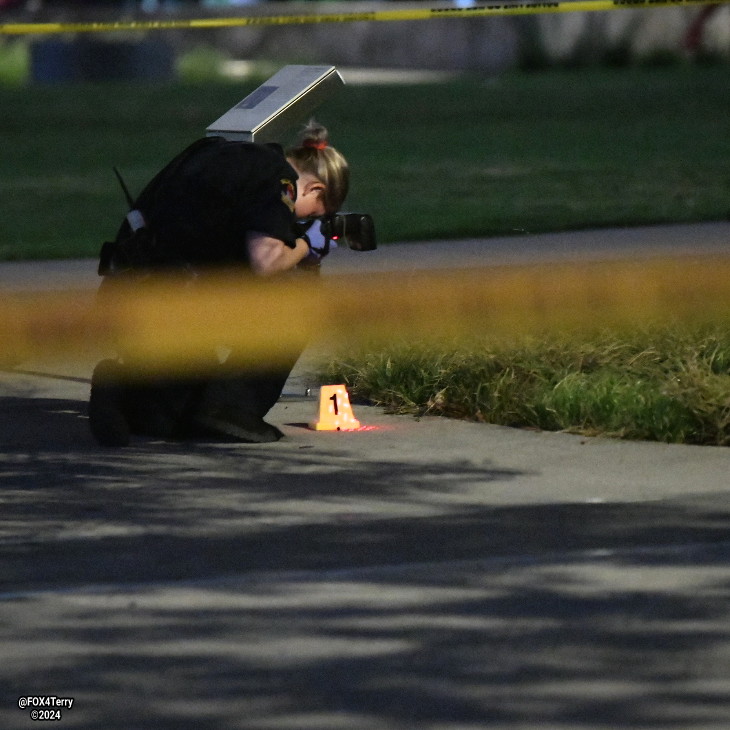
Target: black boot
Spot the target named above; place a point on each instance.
(236, 426)
(107, 420)
(232, 407)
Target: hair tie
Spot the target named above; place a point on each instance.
(315, 144)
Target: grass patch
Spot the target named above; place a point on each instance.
(670, 385)
(14, 60)
(556, 150)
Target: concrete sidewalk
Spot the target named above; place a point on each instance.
(417, 573)
(605, 244)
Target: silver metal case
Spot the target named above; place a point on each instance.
(280, 103)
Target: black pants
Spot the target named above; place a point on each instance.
(174, 408)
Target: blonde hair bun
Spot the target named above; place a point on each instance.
(313, 154)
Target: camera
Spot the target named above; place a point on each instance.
(357, 230)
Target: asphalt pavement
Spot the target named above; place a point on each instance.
(417, 573)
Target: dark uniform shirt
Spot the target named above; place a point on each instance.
(199, 208)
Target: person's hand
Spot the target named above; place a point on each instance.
(313, 259)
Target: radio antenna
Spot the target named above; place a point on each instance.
(125, 189)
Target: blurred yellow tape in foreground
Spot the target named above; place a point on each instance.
(173, 326)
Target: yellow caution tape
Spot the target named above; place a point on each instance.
(477, 11)
(174, 326)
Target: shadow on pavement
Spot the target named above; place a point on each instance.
(561, 644)
(213, 586)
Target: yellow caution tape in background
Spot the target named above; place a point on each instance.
(476, 11)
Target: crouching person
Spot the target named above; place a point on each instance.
(218, 203)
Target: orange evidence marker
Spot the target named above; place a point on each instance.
(335, 411)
